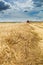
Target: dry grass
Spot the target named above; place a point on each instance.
(21, 44)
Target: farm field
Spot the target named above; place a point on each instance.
(21, 43)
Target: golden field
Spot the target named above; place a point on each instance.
(21, 43)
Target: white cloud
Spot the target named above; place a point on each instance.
(22, 6)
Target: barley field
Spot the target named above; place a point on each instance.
(21, 43)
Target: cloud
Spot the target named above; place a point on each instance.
(22, 5)
(21, 9)
(4, 5)
(38, 3)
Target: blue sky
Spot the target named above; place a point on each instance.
(21, 10)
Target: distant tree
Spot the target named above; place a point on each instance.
(27, 21)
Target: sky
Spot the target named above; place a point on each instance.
(21, 10)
